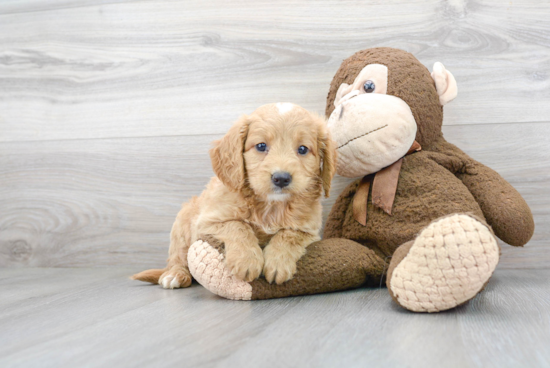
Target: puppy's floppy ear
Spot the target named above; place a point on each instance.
(227, 155)
(327, 150)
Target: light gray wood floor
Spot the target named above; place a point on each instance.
(99, 318)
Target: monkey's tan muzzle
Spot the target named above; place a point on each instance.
(372, 131)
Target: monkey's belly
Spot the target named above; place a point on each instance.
(425, 192)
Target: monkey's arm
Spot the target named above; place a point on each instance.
(504, 208)
(335, 220)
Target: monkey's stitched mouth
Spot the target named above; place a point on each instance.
(362, 135)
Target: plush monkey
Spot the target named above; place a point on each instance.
(418, 200)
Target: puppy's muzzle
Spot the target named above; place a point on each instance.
(281, 179)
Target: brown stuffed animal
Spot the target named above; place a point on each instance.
(418, 199)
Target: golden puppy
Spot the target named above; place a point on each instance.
(264, 203)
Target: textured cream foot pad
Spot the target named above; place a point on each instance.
(208, 268)
(448, 264)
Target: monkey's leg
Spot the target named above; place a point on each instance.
(329, 265)
(448, 263)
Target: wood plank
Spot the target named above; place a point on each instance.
(73, 70)
(29, 6)
(106, 202)
(17, 295)
(118, 322)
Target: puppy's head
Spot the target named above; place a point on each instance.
(279, 151)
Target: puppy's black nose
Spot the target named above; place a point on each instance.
(281, 179)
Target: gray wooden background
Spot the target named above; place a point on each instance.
(107, 108)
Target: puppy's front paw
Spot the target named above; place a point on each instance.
(176, 277)
(280, 264)
(245, 264)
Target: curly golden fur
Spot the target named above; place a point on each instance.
(265, 229)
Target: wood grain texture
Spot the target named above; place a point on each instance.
(99, 318)
(108, 107)
(106, 202)
(110, 201)
(97, 69)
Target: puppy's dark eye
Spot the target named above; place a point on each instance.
(261, 147)
(302, 150)
(369, 86)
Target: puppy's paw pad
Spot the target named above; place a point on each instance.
(175, 279)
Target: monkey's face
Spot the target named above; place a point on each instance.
(372, 129)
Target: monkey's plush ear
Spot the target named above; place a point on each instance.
(445, 83)
(227, 155)
(343, 90)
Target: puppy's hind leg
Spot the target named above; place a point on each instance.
(176, 274)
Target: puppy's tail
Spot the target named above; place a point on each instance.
(151, 276)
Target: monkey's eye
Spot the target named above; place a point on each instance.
(369, 86)
(261, 147)
(302, 150)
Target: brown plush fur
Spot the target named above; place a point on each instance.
(425, 191)
(265, 229)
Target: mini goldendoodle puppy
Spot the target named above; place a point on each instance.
(265, 201)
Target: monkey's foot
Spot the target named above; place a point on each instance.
(448, 263)
(206, 263)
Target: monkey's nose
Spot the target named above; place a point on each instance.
(281, 179)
